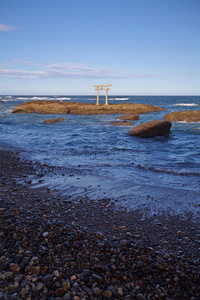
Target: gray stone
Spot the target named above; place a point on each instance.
(48, 277)
(24, 283)
(140, 297)
(97, 278)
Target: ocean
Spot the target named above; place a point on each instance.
(96, 160)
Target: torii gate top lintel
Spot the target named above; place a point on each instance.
(102, 87)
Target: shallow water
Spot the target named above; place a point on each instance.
(105, 161)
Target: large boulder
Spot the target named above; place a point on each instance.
(129, 117)
(121, 123)
(49, 121)
(151, 129)
(184, 116)
(57, 107)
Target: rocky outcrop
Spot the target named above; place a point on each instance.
(121, 123)
(184, 116)
(129, 117)
(43, 107)
(57, 107)
(151, 129)
(49, 121)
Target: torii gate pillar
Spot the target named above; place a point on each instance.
(102, 87)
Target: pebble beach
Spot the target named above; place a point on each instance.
(54, 248)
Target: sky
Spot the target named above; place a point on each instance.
(65, 47)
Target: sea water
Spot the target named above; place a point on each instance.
(99, 160)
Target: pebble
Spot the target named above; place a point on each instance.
(47, 278)
(97, 291)
(120, 291)
(140, 297)
(97, 278)
(39, 286)
(45, 234)
(65, 286)
(24, 283)
(107, 293)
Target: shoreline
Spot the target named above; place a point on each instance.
(88, 249)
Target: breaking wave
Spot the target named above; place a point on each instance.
(182, 172)
(119, 99)
(185, 104)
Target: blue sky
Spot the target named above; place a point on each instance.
(64, 47)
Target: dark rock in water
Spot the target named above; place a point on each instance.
(184, 116)
(129, 117)
(121, 123)
(151, 129)
(49, 121)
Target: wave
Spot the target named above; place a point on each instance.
(185, 104)
(6, 98)
(35, 98)
(43, 98)
(102, 165)
(118, 99)
(182, 172)
(121, 99)
(6, 111)
(62, 98)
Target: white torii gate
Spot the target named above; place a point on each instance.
(104, 87)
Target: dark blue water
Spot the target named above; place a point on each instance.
(105, 159)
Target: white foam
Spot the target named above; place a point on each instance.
(121, 99)
(63, 98)
(185, 104)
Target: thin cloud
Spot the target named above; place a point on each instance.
(26, 62)
(79, 68)
(21, 74)
(59, 70)
(4, 27)
(53, 74)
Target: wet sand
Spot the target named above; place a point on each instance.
(55, 248)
